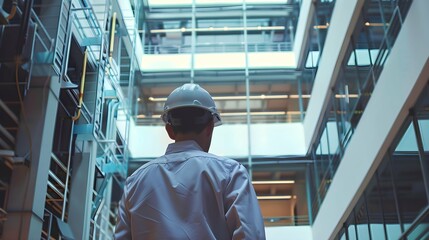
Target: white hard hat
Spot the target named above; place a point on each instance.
(191, 95)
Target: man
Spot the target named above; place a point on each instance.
(189, 193)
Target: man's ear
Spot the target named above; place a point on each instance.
(209, 128)
(170, 131)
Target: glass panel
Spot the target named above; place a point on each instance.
(408, 180)
(313, 188)
(351, 226)
(323, 163)
(352, 232)
(393, 230)
(424, 132)
(421, 231)
(408, 142)
(361, 216)
(375, 211)
(346, 94)
(317, 34)
(388, 203)
(312, 59)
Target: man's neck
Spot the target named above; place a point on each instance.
(198, 138)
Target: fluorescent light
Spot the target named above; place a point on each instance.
(278, 197)
(297, 96)
(257, 97)
(321, 26)
(368, 24)
(274, 182)
(252, 113)
(346, 95)
(210, 29)
(141, 116)
(157, 99)
(166, 30)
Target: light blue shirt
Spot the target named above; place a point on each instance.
(189, 194)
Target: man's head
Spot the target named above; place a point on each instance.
(190, 114)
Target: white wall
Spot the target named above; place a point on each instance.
(289, 233)
(212, 61)
(228, 140)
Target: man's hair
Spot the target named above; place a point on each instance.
(189, 119)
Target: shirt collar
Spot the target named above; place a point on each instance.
(183, 146)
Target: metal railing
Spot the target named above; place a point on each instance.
(218, 48)
(56, 185)
(57, 25)
(3, 212)
(299, 220)
(89, 32)
(101, 226)
(48, 232)
(45, 40)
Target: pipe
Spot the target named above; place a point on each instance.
(82, 87)
(13, 10)
(113, 106)
(112, 36)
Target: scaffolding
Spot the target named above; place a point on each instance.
(73, 43)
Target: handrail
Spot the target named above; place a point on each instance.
(112, 37)
(55, 189)
(56, 179)
(57, 161)
(40, 25)
(3, 215)
(217, 47)
(288, 220)
(82, 87)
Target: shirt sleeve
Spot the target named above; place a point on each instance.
(123, 225)
(242, 213)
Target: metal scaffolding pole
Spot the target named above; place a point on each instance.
(246, 70)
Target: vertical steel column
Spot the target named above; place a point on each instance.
(368, 221)
(291, 34)
(380, 198)
(395, 192)
(307, 187)
(423, 162)
(316, 177)
(82, 176)
(246, 72)
(26, 200)
(300, 100)
(127, 105)
(193, 41)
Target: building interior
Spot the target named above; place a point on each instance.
(325, 102)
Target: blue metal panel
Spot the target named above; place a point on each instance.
(84, 132)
